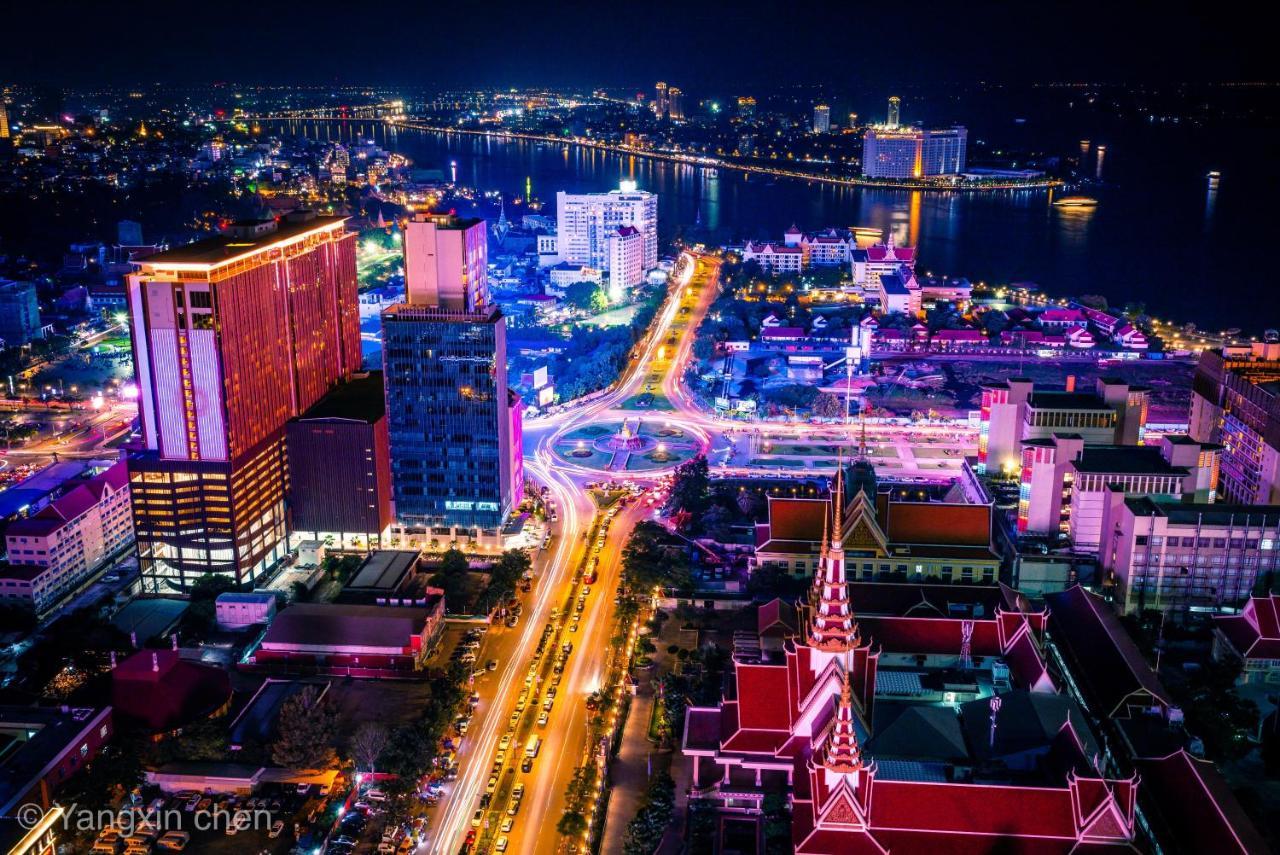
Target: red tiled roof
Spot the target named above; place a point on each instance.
(1110, 667)
(796, 519)
(762, 695)
(943, 523)
(973, 809)
(1197, 806)
(1255, 632)
(929, 635)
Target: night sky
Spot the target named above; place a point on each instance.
(703, 45)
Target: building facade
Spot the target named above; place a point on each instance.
(233, 336)
(19, 313)
(1065, 484)
(585, 221)
(822, 119)
(60, 547)
(1014, 411)
(340, 466)
(1235, 401)
(1162, 554)
(910, 153)
(626, 261)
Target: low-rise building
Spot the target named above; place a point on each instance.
(1251, 639)
(239, 609)
(870, 263)
(52, 553)
(43, 748)
(1235, 401)
(359, 640)
(774, 258)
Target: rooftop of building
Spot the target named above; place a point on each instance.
(31, 739)
(1125, 460)
(48, 480)
(233, 244)
(1060, 399)
(384, 570)
(1183, 513)
(338, 625)
(360, 398)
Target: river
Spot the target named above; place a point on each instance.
(1159, 234)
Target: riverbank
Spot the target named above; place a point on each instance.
(945, 185)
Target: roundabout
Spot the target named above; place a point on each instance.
(628, 445)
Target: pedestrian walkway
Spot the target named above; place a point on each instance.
(629, 773)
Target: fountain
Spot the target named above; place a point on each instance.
(627, 438)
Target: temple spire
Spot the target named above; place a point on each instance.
(841, 752)
(832, 626)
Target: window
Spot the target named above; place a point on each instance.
(201, 300)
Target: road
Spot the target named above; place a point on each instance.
(565, 732)
(657, 368)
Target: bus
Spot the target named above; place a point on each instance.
(531, 750)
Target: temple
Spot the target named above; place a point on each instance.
(917, 720)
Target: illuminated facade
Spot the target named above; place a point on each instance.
(233, 336)
(894, 150)
(448, 408)
(822, 119)
(585, 222)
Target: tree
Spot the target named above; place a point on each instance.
(828, 406)
(452, 578)
(503, 578)
(587, 296)
(367, 744)
(649, 559)
(572, 824)
(1093, 301)
(690, 486)
(308, 725)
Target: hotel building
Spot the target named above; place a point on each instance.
(455, 441)
(1235, 401)
(586, 221)
(233, 336)
(894, 150)
(1014, 411)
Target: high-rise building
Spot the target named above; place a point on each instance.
(4, 119)
(1235, 401)
(910, 152)
(822, 119)
(453, 448)
(584, 222)
(232, 337)
(675, 104)
(660, 103)
(894, 150)
(339, 163)
(19, 313)
(626, 261)
(747, 107)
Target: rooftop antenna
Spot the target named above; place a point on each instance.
(996, 703)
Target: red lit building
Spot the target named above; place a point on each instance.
(914, 731)
(233, 336)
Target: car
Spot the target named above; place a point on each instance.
(526, 765)
(375, 795)
(475, 699)
(542, 719)
(513, 808)
(174, 841)
(491, 665)
(461, 727)
(573, 627)
(515, 718)
(304, 789)
(505, 742)
(492, 785)
(502, 844)
(508, 823)
(477, 817)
